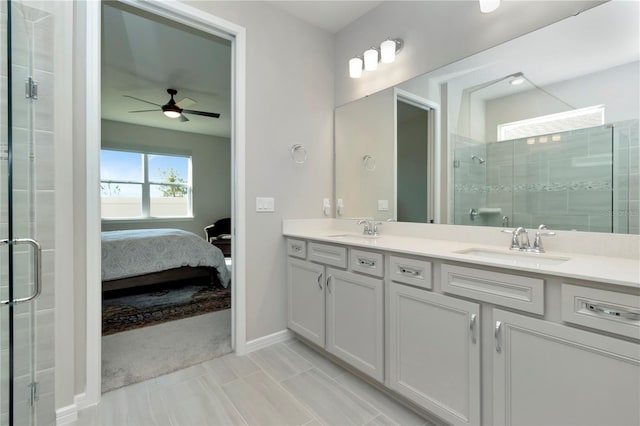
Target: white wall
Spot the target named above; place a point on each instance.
(435, 33)
(211, 164)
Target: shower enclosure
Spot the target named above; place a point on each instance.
(26, 214)
(584, 180)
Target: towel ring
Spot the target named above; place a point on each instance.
(369, 163)
(299, 154)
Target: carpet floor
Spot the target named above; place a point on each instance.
(133, 308)
(140, 354)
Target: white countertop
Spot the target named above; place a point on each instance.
(612, 270)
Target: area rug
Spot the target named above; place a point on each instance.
(144, 353)
(134, 308)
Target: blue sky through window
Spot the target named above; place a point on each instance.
(128, 166)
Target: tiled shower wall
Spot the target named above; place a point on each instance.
(33, 193)
(585, 180)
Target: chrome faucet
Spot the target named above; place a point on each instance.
(537, 243)
(370, 227)
(519, 239)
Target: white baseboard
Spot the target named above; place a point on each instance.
(67, 415)
(271, 339)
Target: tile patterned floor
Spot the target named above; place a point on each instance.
(284, 384)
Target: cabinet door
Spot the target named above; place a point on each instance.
(306, 283)
(434, 352)
(355, 313)
(550, 374)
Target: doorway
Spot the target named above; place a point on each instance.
(197, 20)
(416, 136)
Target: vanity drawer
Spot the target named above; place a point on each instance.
(512, 291)
(604, 310)
(410, 271)
(367, 262)
(297, 248)
(328, 254)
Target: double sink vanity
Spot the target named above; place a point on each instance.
(471, 333)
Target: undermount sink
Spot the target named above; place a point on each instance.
(515, 258)
(354, 237)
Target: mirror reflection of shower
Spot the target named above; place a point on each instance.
(479, 159)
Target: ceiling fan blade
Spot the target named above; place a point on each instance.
(183, 118)
(206, 114)
(141, 100)
(186, 102)
(146, 110)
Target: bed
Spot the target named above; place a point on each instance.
(141, 257)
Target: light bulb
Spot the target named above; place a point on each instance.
(355, 67)
(543, 139)
(488, 6)
(388, 51)
(370, 59)
(172, 114)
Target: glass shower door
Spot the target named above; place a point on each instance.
(20, 273)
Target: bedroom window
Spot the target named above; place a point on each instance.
(141, 185)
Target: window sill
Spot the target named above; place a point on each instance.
(150, 219)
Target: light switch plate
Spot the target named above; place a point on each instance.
(383, 205)
(265, 204)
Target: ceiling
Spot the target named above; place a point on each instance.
(143, 58)
(331, 16)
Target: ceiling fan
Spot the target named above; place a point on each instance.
(173, 109)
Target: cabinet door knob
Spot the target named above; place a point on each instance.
(320, 281)
(498, 335)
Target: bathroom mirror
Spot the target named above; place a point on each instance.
(540, 129)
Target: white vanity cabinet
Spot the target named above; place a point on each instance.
(355, 315)
(306, 305)
(337, 309)
(434, 352)
(547, 373)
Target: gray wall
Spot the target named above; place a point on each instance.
(289, 88)
(211, 165)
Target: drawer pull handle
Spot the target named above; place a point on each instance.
(320, 281)
(472, 327)
(497, 335)
(296, 248)
(408, 271)
(367, 262)
(633, 316)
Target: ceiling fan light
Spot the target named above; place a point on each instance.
(171, 113)
(488, 6)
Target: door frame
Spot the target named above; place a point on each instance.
(198, 19)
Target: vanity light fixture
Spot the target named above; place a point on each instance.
(488, 6)
(355, 67)
(370, 58)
